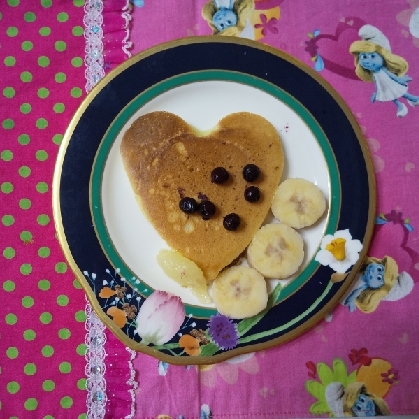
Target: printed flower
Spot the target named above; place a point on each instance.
(106, 292)
(391, 376)
(312, 370)
(378, 162)
(339, 251)
(410, 19)
(330, 381)
(120, 291)
(229, 370)
(267, 25)
(223, 332)
(190, 344)
(374, 376)
(360, 357)
(373, 146)
(200, 335)
(130, 311)
(118, 316)
(159, 318)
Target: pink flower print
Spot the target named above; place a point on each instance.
(391, 376)
(228, 370)
(377, 161)
(373, 146)
(410, 19)
(267, 25)
(160, 317)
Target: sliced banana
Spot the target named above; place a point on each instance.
(298, 203)
(239, 292)
(276, 251)
(185, 272)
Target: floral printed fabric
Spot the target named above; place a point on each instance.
(361, 359)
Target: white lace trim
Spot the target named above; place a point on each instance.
(95, 336)
(131, 382)
(126, 15)
(95, 365)
(93, 33)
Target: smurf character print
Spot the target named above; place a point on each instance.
(354, 401)
(230, 17)
(225, 17)
(378, 280)
(374, 62)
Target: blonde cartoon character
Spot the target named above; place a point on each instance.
(354, 401)
(374, 62)
(378, 280)
(230, 17)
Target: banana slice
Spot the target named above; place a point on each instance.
(298, 203)
(276, 251)
(185, 272)
(239, 292)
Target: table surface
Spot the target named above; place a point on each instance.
(52, 53)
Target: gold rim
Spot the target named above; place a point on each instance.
(202, 360)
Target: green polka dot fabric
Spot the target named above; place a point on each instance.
(42, 312)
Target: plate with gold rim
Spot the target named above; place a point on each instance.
(111, 246)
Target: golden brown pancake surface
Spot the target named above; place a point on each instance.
(166, 159)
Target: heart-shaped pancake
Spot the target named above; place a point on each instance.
(167, 159)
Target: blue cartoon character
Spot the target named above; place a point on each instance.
(341, 392)
(375, 62)
(225, 17)
(354, 401)
(378, 280)
(230, 17)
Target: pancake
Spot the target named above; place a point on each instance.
(167, 159)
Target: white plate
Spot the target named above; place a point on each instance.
(203, 104)
(111, 246)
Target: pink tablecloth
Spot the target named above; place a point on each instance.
(47, 67)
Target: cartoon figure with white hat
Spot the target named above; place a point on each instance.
(374, 62)
(354, 401)
(378, 281)
(341, 392)
(230, 17)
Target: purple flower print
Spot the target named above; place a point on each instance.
(223, 332)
